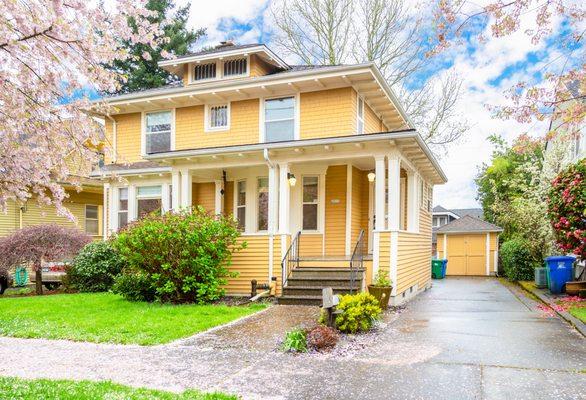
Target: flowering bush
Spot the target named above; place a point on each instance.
(183, 256)
(567, 208)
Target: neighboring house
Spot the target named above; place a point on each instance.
(326, 151)
(442, 216)
(470, 245)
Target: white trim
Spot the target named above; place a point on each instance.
(394, 193)
(245, 205)
(186, 189)
(379, 193)
(219, 198)
(132, 211)
(284, 199)
(85, 218)
(107, 211)
(165, 203)
(359, 99)
(348, 209)
(393, 262)
(319, 228)
(488, 254)
(207, 127)
(224, 54)
(445, 247)
(176, 188)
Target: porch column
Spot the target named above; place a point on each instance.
(186, 188)
(219, 199)
(109, 213)
(132, 212)
(394, 193)
(176, 190)
(165, 203)
(412, 202)
(273, 200)
(379, 193)
(284, 195)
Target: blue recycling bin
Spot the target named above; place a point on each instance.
(560, 269)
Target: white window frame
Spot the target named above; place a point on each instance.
(360, 119)
(317, 202)
(236, 205)
(97, 219)
(207, 114)
(118, 211)
(296, 115)
(144, 127)
(219, 70)
(147, 197)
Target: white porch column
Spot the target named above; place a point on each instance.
(394, 193)
(273, 200)
(132, 212)
(379, 193)
(186, 188)
(412, 203)
(108, 209)
(165, 203)
(219, 199)
(176, 190)
(284, 199)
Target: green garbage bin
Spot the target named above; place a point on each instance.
(438, 269)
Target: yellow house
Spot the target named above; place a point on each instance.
(322, 168)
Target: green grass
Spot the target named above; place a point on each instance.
(106, 317)
(44, 389)
(578, 312)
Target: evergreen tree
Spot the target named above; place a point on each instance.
(142, 72)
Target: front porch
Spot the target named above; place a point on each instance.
(322, 196)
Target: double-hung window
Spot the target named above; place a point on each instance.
(92, 225)
(280, 119)
(360, 116)
(158, 132)
(241, 204)
(310, 202)
(218, 117)
(263, 204)
(148, 200)
(122, 207)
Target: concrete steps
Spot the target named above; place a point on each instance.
(305, 285)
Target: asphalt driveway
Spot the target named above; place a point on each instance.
(463, 339)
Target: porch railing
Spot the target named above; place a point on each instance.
(291, 258)
(357, 259)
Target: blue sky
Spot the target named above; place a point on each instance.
(487, 70)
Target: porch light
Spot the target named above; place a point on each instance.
(371, 176)
(291, 178)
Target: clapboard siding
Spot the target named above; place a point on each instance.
(204, 194)
(311, 244)
(413, 261)
(336, 211)
(250, 263)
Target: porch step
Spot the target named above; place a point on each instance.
(315, 291)
(300, 300)
(322, 282)
(314, 272)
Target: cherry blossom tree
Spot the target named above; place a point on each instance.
(52, 54)
(561, 96)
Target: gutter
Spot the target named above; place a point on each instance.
(153, 170)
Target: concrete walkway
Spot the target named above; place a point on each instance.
(463, 339)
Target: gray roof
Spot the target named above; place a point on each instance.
(219, 49)
(439, 209)
(468, 223)
(475, 212)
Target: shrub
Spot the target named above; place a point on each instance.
(95, 267)
(518, 264)
(134, 286)
(185, 255)
(567, 208)
(295, 341)
(322, 337)
(359, 311)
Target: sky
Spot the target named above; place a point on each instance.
(487, 70)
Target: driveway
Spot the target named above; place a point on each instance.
(463, 339)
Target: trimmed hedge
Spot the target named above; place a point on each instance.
(518, 264)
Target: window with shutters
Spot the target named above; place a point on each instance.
(204, 71)
(237, 67)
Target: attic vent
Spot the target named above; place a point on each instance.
(235, 67)
(204, 71)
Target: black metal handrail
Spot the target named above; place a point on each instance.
(357, 259)
(291, 258)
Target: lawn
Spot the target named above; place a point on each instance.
(106, 317)
(579, 312)
(44, 389)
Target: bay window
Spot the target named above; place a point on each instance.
(310, 202)
(158, 131)
(279, 119)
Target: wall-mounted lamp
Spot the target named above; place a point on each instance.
(291, 178)
(371, 176)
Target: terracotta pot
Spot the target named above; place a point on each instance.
(382, 294)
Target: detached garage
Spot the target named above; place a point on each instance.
(470, 245)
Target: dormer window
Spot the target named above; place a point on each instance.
(235, 67)
(204, 71)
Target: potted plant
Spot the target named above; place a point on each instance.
(381, 288)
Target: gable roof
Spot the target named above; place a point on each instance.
(468, 223)
(219, 49)
(439, 209)
(475, 212)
